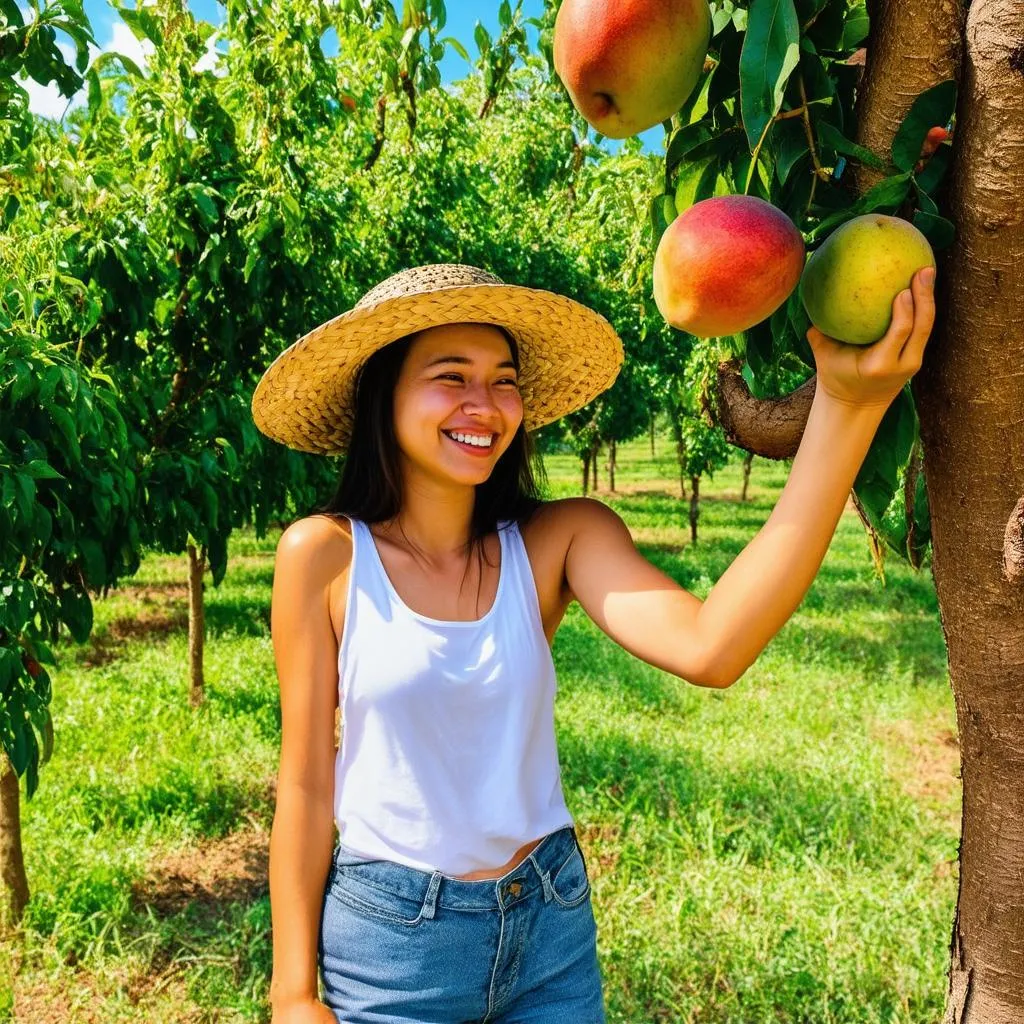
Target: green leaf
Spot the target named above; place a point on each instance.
(663, 212)
(771, 50)
(857, 26)
(833, 138)
(933, 108)
(482, 37)
(725, 78)
(40, 470)
(721, 17)
(457, 47)
(939, 231)
(828, 28)
(935, 170)
(887, 194)
(789, 144)
(76, 613)
(683, 141)
(759, 349)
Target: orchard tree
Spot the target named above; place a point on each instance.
(68, 514)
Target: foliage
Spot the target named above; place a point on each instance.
(774, 116)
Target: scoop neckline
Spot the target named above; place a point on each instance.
(426, 618)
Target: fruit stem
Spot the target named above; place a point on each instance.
(819, 171)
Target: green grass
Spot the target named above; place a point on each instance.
(779, 851)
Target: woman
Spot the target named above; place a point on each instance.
(423, 606)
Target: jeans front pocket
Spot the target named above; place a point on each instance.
(569, 884)
(372, 901)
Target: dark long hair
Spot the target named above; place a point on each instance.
(370, 488)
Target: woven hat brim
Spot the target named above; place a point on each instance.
(568, 355)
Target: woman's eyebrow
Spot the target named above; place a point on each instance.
(464, 360)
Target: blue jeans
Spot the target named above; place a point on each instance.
(402, 946)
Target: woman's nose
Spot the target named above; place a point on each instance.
(479, 396)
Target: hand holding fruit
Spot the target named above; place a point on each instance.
(872, 376)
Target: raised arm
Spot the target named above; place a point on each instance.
(712, 643)
(309, 555)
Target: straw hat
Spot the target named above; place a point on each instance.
(568, 354)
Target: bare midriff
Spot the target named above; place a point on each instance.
(519, 856)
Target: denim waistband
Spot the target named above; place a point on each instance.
(533, 874)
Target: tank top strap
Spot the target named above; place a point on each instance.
(526, 585)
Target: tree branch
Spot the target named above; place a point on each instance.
(378, 137)
(771, 427)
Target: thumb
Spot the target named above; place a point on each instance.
(818, 341)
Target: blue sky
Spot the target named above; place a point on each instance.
(112, 34)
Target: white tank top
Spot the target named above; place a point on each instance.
(447, 759)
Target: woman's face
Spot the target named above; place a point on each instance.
(457, 378)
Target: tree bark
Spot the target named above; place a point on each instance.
(970, 397)
(196, 623)
(677, 433)
(747, 462)
(900, 66)
(586, 471)
(771, 427)
(611, 465)
(13, 880)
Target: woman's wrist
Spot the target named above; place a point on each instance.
(283, 994)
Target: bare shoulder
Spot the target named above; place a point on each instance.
(319, 543)
(577, 513)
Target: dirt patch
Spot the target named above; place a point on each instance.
(107, 645)
(227, 870)
(152, 593)
(83, 998)
(927, 762)
(601, 844)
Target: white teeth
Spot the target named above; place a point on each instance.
(479, 442)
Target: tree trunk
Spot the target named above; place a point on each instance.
(594, 453)
(586, 471)
(652, 435)
(747, 463)
(694, 506)
(611, 466)
(13, 881)
(196, 619)
(677, 433)
(901, 64)
(970, 396)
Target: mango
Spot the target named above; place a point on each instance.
(852, 278)
(725, 264)
(630, 64)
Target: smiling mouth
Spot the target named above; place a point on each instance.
(475, 442)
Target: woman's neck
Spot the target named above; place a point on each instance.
(435, 521)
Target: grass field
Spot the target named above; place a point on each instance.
(781, 851)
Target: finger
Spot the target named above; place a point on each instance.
(923, 287)
(901, 326)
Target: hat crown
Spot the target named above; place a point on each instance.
(429, 278)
